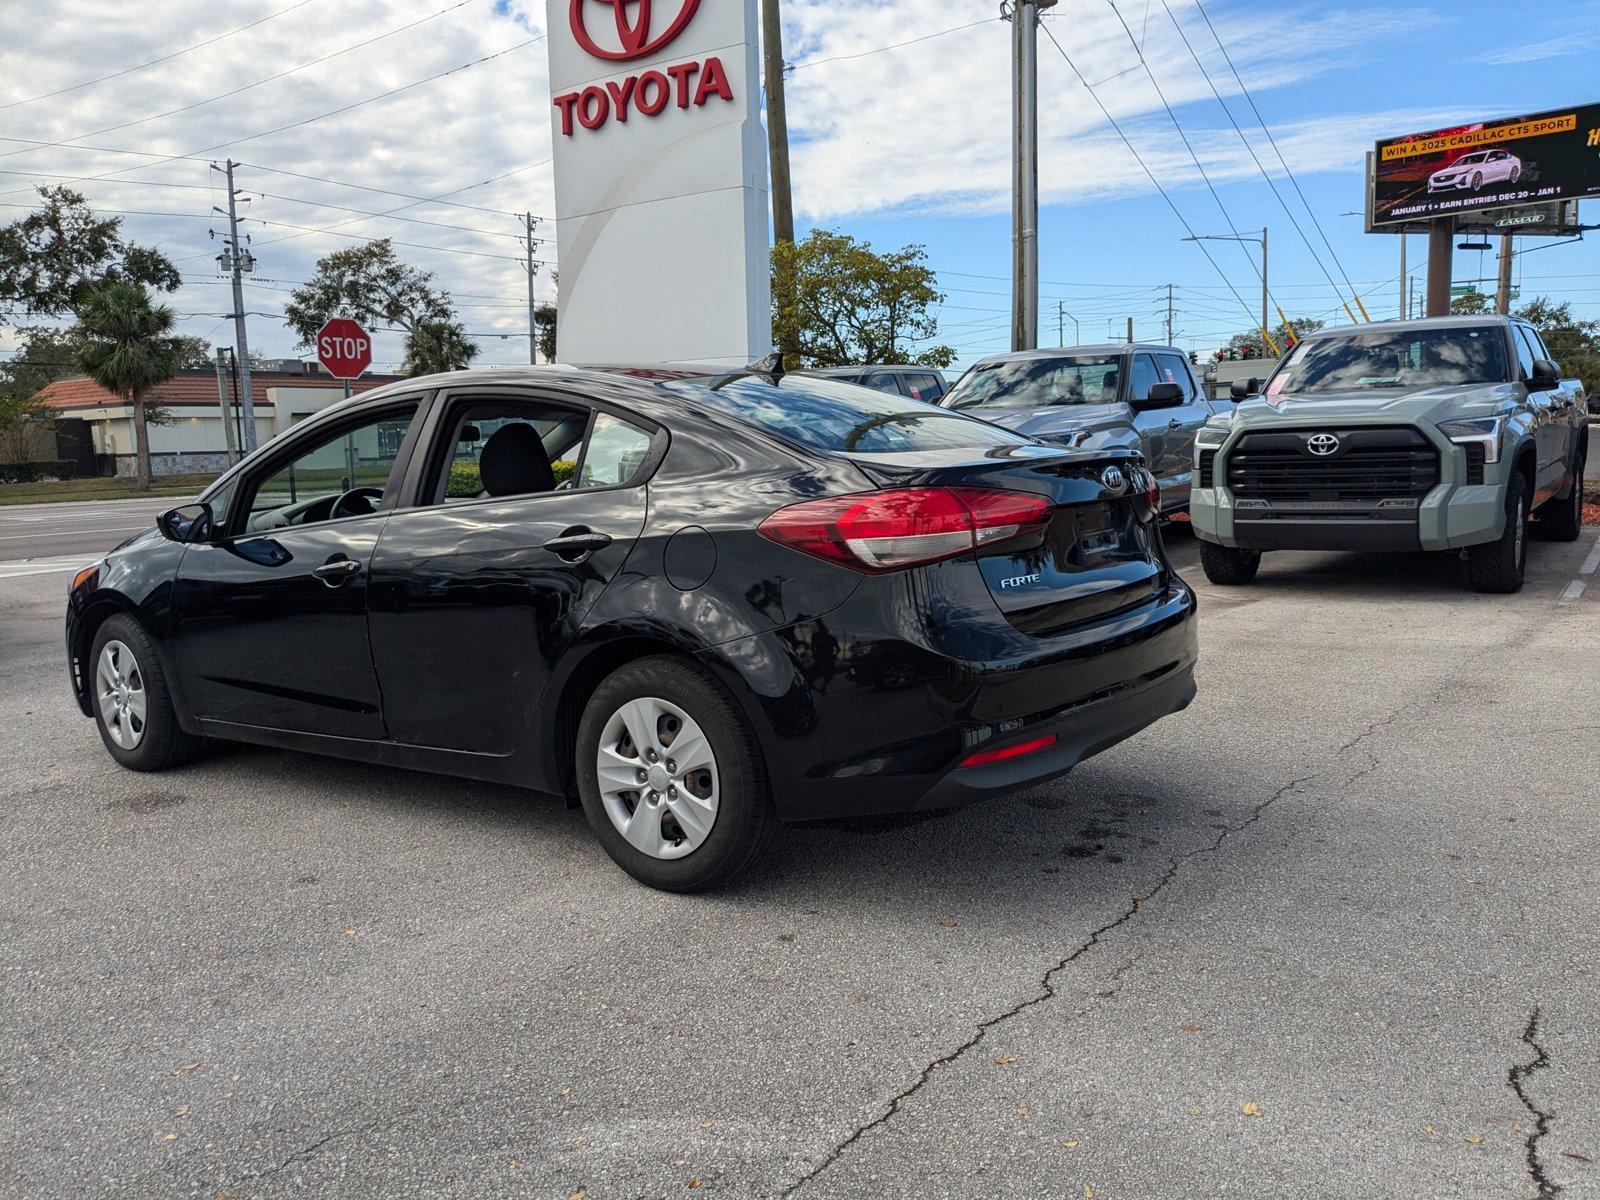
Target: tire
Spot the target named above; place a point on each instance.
(1516, 174)
(724, 799)
(1499, 566)
(131, 700)
(1561, 520)
(1227, 566)
(1477, 181)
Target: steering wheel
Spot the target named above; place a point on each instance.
(357, 502)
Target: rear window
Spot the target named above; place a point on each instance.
(848, 418)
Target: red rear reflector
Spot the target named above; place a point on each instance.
(904, 527)
(1018, 750)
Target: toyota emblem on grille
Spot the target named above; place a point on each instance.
(1322, 443)
(1113, 479)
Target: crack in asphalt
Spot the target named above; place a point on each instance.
(1515, 1079)
(1047, 986)
(307, 1151)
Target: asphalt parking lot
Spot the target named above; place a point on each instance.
(1330, 932)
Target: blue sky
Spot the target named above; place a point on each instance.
(893, 145)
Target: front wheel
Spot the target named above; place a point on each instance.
(1500, 565)
(1477, 181)
(1228, 566)
(671, 776)
(131, 699)
(1516, 174)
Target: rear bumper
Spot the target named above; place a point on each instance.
(855, 721)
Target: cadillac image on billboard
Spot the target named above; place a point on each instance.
(1490, 164)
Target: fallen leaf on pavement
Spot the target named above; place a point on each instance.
(1070, 1145)
(947, 924)
(1005, 1060)
(1475, 1138)
(1189, 1028)
(1250, 1108)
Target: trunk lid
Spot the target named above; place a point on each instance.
(1094, 557)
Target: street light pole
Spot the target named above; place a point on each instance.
(1266, 327)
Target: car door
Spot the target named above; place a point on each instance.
(1183, 424)
(1568, 412)
(1151, 425)
(269, 621)
(482, 582)
(1550, 434)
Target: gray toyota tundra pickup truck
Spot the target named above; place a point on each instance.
(1441, 434)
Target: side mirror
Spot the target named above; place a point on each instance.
(1546, 376)
(1161, 395)
(1243, 389)
(188, 524)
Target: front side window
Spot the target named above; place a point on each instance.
(342, 474)
(883, 381)
(1174, 369)
(1402, 359)
(1525, 351)
(1144, 376)
(1039, 382)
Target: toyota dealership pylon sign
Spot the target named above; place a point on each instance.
(660, 181)
(343, 348)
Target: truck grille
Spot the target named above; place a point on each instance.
(1208, 462)
(1366, 464)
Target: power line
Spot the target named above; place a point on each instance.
(1311, 212)
(1156, 183)
(817, 62)
(157, 61)
(245, 88)
(500, 212)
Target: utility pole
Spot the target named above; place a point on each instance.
(1130, 331)
(1266, 325)
(1405, 281)
(1024, 17)
(778, 163)
(222, 401)
(1441, 236)
(1169, 314)
(529, 221)
(237, 261)
(1062, 317)
(1502, 293)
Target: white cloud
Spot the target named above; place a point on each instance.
(1556, 47)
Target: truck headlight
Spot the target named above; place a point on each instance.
(1484, 431)
(1211, 436)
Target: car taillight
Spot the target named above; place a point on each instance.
(905, 527)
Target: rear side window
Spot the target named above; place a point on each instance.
(846, 418)
(615, 452)
(922, 387)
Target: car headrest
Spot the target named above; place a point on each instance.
(514, 462)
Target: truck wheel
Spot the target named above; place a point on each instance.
(1498, 566)
(1562, 520)
(1227, 566)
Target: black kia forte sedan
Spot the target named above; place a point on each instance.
(702, 603)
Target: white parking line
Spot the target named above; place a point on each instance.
(1591, 563)
(41, 566)
(1574, 590)
(53, 533)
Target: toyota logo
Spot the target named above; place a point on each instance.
(1323, 444)
(1113, 479)
(633, 37)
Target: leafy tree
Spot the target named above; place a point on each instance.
(844, 304)
(1469, 304)
(368, 284)
(436, 346)
(544, 320)
(196, 353)
(1252, 338)
(45, 354)
(128, 348)
(1574, 342)
(51, 258)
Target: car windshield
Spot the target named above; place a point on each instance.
(1407, 358)
(1039, 382)
(829, 415)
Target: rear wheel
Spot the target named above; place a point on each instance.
(1499, 566)
(1228, 566)
(671, 776)
(1561, 520)
(1516, 174)
(131, 700)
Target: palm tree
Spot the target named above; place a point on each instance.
(435, 346)
(128, 349)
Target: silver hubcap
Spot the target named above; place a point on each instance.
(1522, 531)
(119, 684)
(658, 778)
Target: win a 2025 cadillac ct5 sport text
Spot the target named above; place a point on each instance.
(704, 604)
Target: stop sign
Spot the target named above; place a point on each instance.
(343, 348)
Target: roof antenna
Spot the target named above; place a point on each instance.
(769, 364)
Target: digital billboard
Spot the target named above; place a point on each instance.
(1489, 164)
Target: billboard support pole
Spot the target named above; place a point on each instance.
(1502, 293)
(1441, 238)
(1405, 281)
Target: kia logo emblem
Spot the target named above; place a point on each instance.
(1322, 443)
(1113, 479)
(633, 37)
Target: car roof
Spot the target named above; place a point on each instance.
(1456, 321)
(1048, 352)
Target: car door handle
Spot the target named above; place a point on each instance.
(577, 543)
(337, 571)
(1174, 423)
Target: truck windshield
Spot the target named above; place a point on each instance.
(1039, 382)
(1402, 358)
